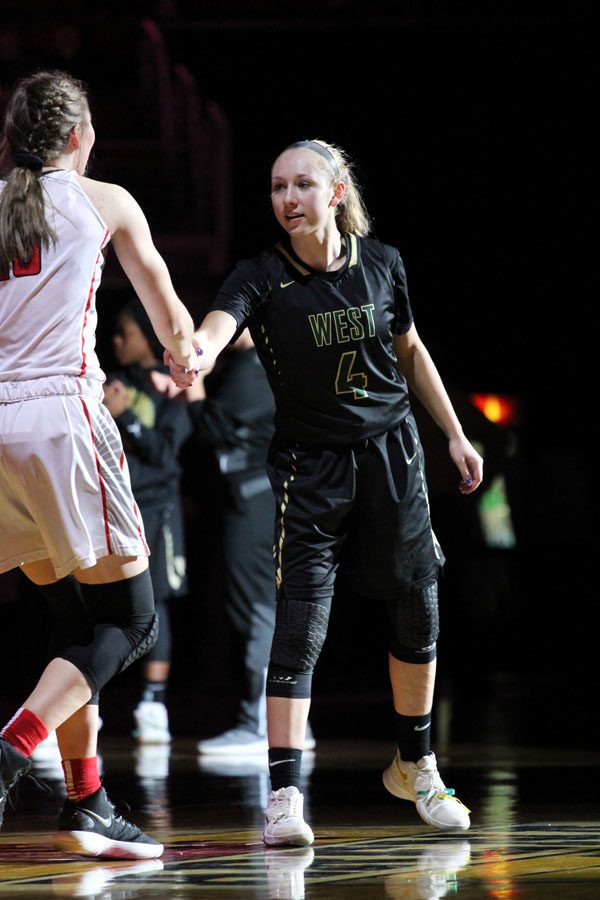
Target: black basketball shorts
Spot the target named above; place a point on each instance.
(363, 507)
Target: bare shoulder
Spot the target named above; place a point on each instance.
(111, 200)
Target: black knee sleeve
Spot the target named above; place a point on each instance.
(71, 623)
(414, 619)
(300, 631)
(161, 651)
(124, 627)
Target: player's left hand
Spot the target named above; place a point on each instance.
(468, 462)
(182, 377)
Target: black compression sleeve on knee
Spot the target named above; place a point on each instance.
(282, 682)
(300, 631)
(124, 628)
(414, 621)
(161, 651)
(71, 622)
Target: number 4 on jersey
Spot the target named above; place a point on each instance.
(20, 270)
(347, 381)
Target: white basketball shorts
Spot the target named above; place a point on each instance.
(65, 491)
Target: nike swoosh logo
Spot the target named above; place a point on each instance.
(287, 284)
(88, 812)
(421, 727)
(279, 762)
(408, 461)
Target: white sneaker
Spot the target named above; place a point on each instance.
(421, 782)
(235, 742)
(285, 872)
(284, 823)
(152, 722)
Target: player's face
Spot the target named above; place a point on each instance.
(130, 344)
(301, 193)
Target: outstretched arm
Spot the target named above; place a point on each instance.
(417, 366)
(214, 334)
(145, 268)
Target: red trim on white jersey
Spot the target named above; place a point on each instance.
(89, 300)
(140, 532)
(100, 479)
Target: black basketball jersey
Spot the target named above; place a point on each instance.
(325, 338)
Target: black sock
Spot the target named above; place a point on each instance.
(414, 735)
(155, 692)
(284, 767)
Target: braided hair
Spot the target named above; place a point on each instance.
(41, 114)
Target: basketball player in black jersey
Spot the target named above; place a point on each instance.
(329, 312)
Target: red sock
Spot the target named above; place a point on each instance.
(81, 777)
(24, 731)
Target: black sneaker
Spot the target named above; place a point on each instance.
(91, 827)
(12, 765)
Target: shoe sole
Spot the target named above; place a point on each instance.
(87, 843)
(440, 826)
(153, 740)
(396, 788)
(291, 840)
(238, 750)
(392, 784)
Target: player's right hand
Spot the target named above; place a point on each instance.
(182, 376)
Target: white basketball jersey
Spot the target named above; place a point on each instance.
(48, 306)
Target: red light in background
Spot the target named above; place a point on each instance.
(498, 408)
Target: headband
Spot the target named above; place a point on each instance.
(25, 160)
(321, 150)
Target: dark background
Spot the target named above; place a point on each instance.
(472, 131)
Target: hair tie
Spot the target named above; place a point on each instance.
(25, 160)
(321, 150)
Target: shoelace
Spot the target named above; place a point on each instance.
(284, 806)
(120, 809)
(435, 786)
(442, 792)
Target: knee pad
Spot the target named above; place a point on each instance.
(282, 682)
(161, 651)
(300, 631)
(71, 623)
(124, 628)
(415, 624)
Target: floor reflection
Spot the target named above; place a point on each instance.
(95, 880)
(530, 839)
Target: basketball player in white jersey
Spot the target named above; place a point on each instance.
(67, 513)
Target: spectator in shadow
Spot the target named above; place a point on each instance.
(153, 429)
